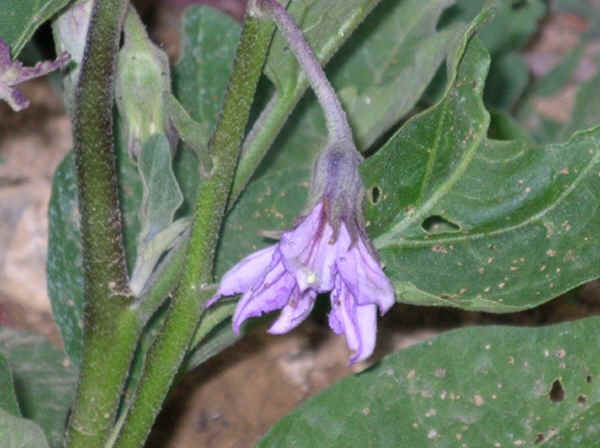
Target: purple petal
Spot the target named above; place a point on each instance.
(273, 293)
(294, 313)
(364, 277)
(5, 59)
(357, 322)
(295, 242)
(245, 274)
(314, 264)
(13, 73)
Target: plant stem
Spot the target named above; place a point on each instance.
(267, 127)
(111, 328)
(337, 124)
(187, 306)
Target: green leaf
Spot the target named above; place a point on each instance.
(8, 398)
(507, 81)
(475, 387)
(44, 381)
(505, 127)
(191, 132)
(143, 82)
(16, 432)
(64, 267)
(381, 82)
(513, 231)
(207, 344)
(209, 40)
(160, 200)
(278, 193)
(513, 24)
(20, 19)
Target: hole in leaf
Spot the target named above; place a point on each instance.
(582, 399)
(539, 438)
(588, 378)
(518, 4)
(375, 195)
(439, 224)
(557, 393)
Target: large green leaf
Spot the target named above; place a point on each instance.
(44, 381)
(475, 387)
(64, 267)
(463, 220)
(209, 40)
(17, 432)
(20, 19)
(278, 193)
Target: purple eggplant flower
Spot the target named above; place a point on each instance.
(308, 260)
(13, 73)
(328, 250)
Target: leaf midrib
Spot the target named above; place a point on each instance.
(475, 236)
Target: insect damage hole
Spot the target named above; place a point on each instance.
(439, 224)
(518, 4)
(375, 195)
(557, 393)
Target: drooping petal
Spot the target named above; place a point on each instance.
(364, 277)
(13, 73)
(245, 274)
(272, 294)
(357, 322)
(294, 313)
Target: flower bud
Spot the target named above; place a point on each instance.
(143, 84)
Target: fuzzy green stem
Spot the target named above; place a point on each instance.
(187, 306)
(111, 329)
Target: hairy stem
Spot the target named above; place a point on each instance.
(187, 306)
(111, 329)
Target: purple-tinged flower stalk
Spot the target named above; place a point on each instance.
(13, 73)
(328, 249)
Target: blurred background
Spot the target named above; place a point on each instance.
(233, 399)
